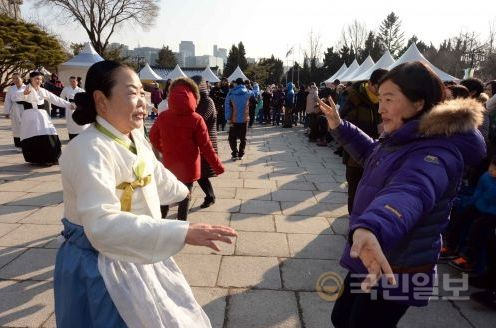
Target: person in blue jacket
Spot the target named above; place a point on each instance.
(237, 111)
(289, 104)
(403, 201)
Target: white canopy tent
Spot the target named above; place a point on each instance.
(209, 76)
(333, 77)
(367, 63)
(413, 54)
(384, 62)
(79, 64)
(147, 73)
(238, 73)
(175, 73)
(353, 67)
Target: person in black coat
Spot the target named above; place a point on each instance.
(206, 108)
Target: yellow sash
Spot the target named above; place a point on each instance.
(139, 170)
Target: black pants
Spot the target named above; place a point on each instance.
(479, 234)
(207, 188)
(182, 211)
(288, 117)
(237, 131)
(266, 114)
(72, 136)
(276, 115)
(57, 111)
(356, 310)
(491, 261)
(353, 176)
(17, 142)
(252, 116)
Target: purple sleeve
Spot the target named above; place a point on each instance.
(356, 142)
(411, 192)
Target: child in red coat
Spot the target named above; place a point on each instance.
(180, 134)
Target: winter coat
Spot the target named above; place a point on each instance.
(301, 100)
(410, 180)
(360, 110)
(267, 98)
(237, 104)
(180, 134)
(156, 96)
(278, 98)
(206, 108)
(290, 96)
(312, 99)
(484, 197)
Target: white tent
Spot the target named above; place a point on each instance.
(340, 70)
(384, 62)
(353, 67)
(175, 73)
(238, 73)
(209, 76)
(147, 73)
(413, 54)
(367, 63)
(79, 64)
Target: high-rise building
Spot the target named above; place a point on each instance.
(220, 52)
(187, 48)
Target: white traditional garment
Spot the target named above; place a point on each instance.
(135, 246)
(35, 122)
(15, 110)
(68, 94)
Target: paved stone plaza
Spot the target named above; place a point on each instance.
(285, 199)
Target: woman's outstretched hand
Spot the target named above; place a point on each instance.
(367, 248)
(331, 113)
(202, 234)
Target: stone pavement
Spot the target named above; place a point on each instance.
(285, 199)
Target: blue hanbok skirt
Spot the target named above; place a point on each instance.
(81, 298)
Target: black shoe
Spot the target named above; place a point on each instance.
(234, 158)
(486, 298)
(207, 203)
(240, 158)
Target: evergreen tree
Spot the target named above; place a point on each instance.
(332, 62)
(390, 34)
(25, 46)
(421, 46)
(232, 61)
(372, 47)
(166, 58)
(242, 62)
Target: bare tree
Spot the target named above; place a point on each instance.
(354, 35)
(100, 18)
(314, 46)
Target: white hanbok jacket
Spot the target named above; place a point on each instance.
(135, 247)
(15, 110)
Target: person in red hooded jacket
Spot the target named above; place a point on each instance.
(180, 134)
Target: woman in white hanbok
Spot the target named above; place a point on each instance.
(115, 267)
(39, 140)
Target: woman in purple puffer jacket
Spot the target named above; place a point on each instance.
(403, 201)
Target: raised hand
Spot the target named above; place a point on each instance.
(330, 112)
(202, 234)
(367, 248)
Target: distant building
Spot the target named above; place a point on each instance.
(11, 8)
(250, 60)
(149, 55)
(180, 59)
(220, 52)
(190, 61)
(210, 61)
(187, 48)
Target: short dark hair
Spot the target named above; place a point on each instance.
(239, 81)
(377, 75)
(459, 91)
(473, 85)
(492, 85)
(417, 82)
(336, 82)
(72, 78)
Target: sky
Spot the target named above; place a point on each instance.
(273, 27)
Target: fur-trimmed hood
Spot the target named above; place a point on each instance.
(452, 117)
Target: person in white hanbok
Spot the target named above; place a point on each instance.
(13, 109)
(68, 94)
(115, 268)
(39, 140)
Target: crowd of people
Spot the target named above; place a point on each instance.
(416, 151)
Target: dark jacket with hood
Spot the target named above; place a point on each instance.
(410, 179)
